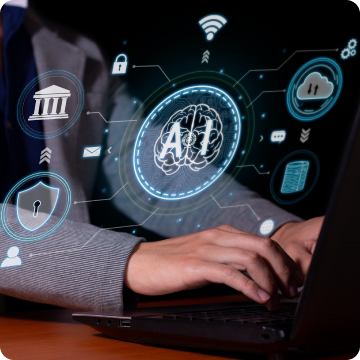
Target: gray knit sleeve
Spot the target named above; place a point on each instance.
(79, 266)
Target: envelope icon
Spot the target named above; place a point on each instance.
(93, 151)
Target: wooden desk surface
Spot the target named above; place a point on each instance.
(52, 334)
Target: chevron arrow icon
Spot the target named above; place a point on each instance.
(305, 135)
(45, 155)
(206, 56)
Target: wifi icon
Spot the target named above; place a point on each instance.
(211, 24)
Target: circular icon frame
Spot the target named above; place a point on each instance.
(19, 109)
(154, 114)
(294, 103)
(16, 187)
(315, 178)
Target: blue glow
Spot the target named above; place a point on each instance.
(66, 134)
(133, 232)
(261, 76)
(174, 85)
(211, 24)
(263, 115)
(103, 190)
(243, 152)
(240, 97)
(231, 194)
(124, 42)
(284, 51)
(261, 166)
(80, 104)
(92, 151)
(116, 159)
(317, 165)
(243, 117)
(221, 70)
(106, 130)
(198, 225)
(312, 66)
(9, 230)
(151, 189)
(45, 220)
(120, 64)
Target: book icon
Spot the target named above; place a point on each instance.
(295, 176)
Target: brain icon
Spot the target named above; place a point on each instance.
(201, 137)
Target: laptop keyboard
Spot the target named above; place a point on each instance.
(256, 314)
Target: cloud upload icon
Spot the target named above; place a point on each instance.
(315, 87)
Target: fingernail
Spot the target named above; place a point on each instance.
(263, 295)
(293, 289)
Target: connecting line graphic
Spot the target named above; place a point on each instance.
(138, 66)
(79, 249)
(233, 206)
(263, 173)
(108, 122)
(272, 91)
(87, 201)
(298, 51)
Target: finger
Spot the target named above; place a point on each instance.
(280, 263)
(243, 260)
(301, 257)
(224, 274)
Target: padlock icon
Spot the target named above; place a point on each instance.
(120, 67)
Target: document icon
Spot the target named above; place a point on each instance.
(295, 176)
(93, 151)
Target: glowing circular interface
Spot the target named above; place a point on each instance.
(40, 203)
(186, 142)
(314, 89)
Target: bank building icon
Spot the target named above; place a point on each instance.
(53, 93)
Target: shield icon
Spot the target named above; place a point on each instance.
(35, 205)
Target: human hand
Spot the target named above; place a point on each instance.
(299, 240)
(217, 255)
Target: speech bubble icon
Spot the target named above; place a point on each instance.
(278, 136)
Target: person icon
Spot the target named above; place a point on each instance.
(12, 258)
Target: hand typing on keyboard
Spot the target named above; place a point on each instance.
(218, 255)
(299, 240)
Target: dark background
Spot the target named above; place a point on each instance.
(258, 35)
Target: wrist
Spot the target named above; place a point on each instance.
(281, 234)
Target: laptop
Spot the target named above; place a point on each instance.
(324, 318)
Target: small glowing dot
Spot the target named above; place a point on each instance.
(230, 194)
(263, 115)
(261, 166)
(116, 159)
(134, 101)
(284, 51)
(178, 220)
(243, 152)
(149, 199)
(124, 42)
(133, 232)
(243, 117)
(240, 97)
(267, 227)
(174, 85)
(66, 134)
(261, 76)
(210, 36)
(103, 190)
(221, 70)
(106, 130)
(198, 225)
